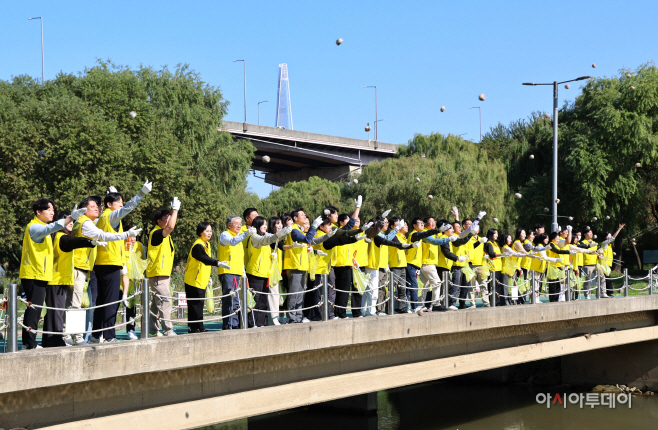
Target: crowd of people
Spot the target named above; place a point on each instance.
(434, 265)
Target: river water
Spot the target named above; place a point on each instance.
(456, 404)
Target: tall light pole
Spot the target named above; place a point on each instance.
(375, 87)
(264, 101)
(554, 224)
(43, 69)
(480, 109)
(244, 63)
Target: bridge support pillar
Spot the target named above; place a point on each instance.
(362, 404)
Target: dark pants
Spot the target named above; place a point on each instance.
(528, 287)
(332, 293)
(609, 287)
(92, 290)
(54, 319)
(109, 290)
(35, 292)
(412, 285)
(260, 285)
(230, 304)
(553, 289)
(344, 283)
(503, 289)
(399, 282)
(132, 313)
(195, 308)
(313, 297)
(383, 287)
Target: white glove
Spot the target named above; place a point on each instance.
(77, 213)
(147, 187)
(569, 227)
(111, 189)
(332, 232)
(476, 229)
(134, 232)
(223, 264)
(367, 226)
(416, 244)
(97, 242)
(444, 227)
(251, 231)
(594, 244)
(124, 270)
(358, 201)
(399, 225)
(175, 205)
(368, 240)
(453, 238)
(385, 214)
(321, 253)
(462, 259)
(317, 222)
(481, 215)
(285, 231)
(455, 212)
(274, 255)
(359, 237)
(483, 240)
(406, 245)
(298, 245)
(125, 299)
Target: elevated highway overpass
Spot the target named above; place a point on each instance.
(194, 380)
(297, 155)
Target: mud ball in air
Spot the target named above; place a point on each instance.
(266, 158)
(133, 114)
(482, 97)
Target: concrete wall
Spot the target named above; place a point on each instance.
(296, 365)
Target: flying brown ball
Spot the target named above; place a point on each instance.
(517, 195)
(532, 157)
(429, 196)
(368, 128)
(638, 165)
(339, 41)
(629, 76)
(547, 115)
(632, 88)
(482, 97)
(594, 66)
(266, 158)
(557, 201)
(546, 209)
(133, 114)
(443, 108)
(567, 86)
(495, 220)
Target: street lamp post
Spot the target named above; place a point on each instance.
(244, 63)
(555, 84)
(264, 101)
(43, 69)
(480, 109)
(376, 121)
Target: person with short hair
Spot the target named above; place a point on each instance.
(37, 261)
(161, 262)
(233, 256)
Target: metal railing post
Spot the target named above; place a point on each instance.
(244, 307)
(493, 290)
(391, 293)
(568, 283)
(446, 288)
(146, 309)
(625, 282)
(598, 284)
(12, 314)
(651, 277)
(533, 293)
(325, 298)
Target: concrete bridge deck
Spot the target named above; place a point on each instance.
(194, 380)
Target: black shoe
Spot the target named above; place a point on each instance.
(439, 309)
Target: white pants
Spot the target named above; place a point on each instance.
(273, 301)
(371, 294)
(430, 278)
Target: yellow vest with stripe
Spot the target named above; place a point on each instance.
(525, 261)
(343, 255)
(37, 258)
(398, 257)
(361, 248)
(607, 256)
(430, 252)
(83, 258)
(234, 255)
(197, 274)
(324, 263)
(460, 251)
(112, 253)
(260, 260)
(414, 255)
(62, 264)
(161, 257)
(477, 254)
(497, 262)
(295, 258)
(443, 261)
(590, 259)
(553, 254)
(538, 265)
(383, 257)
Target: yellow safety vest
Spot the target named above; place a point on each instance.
(112, 253)
(383, 256)
(260, 260)
(497, 262)
(83, 258)
(37, 258)
(344, 255)
(517, 260)
(414, 255)
(430, 252)
(443, 261)
(537, 265)
(197, 274)
(460, 251)
(62, 264)
(589, 259)
(234, 255)
(324, 263)
(510, 264)
(607, 256)
(161, 257)
(477, 254)
(553, 254)
(361, 249)
(398, 257)
(525, 261)
(295, 258)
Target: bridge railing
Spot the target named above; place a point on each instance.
(399, 296)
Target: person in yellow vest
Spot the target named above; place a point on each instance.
(476, 262)
(383, 270)
(37, 261)
(63, 245)
(538, 265)
(258, 265)
(415, 261)
(248, 216)
(161, 262)
(397, 264)
(493, 258)
(450, 254)
(343, 262)
(560, 254)
(130, 312)
(275, 224)
(460, 248)
(430, 258)
(233, 255)
(522, 259)
(608, 238)
(510, 266)
(589, 261)
(109, 261)
(197, 276)
(475, 255)
(576, 260)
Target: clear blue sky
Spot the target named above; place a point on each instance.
(421, 55)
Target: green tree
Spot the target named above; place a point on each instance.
(313, 195)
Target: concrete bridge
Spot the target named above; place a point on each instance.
(297, 155)
(194, 380)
